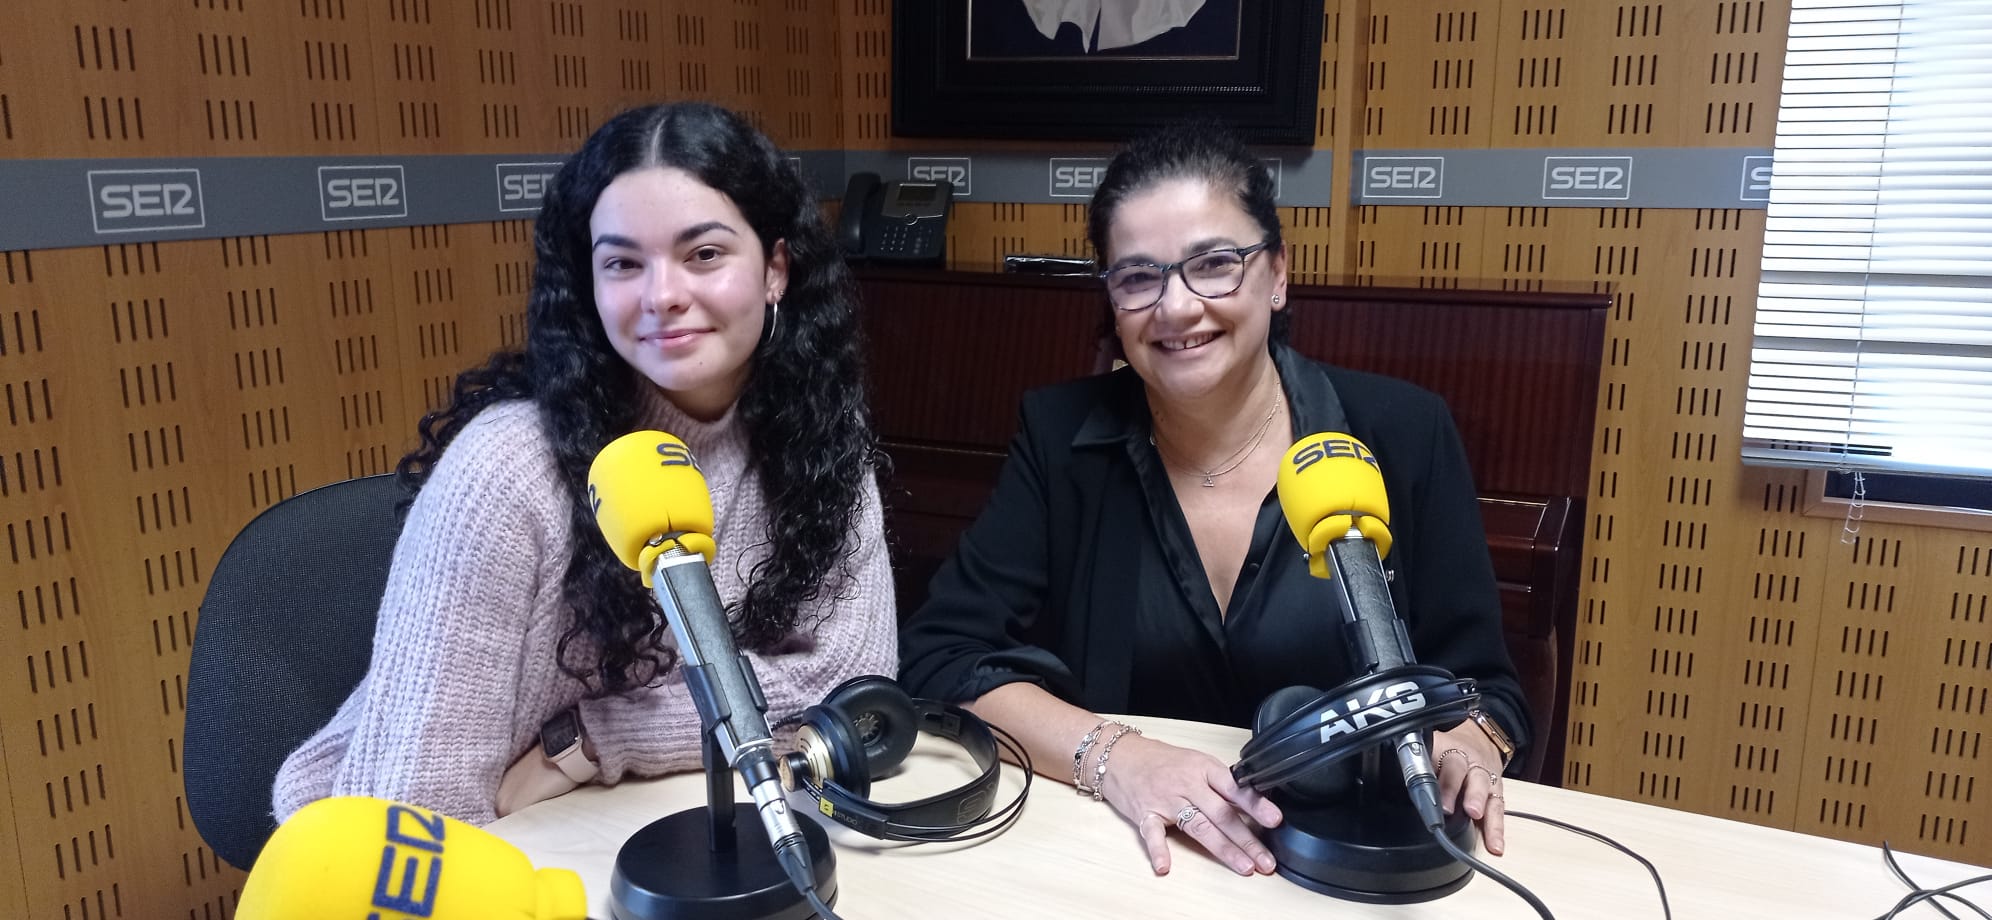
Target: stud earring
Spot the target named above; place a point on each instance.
(1276, 300)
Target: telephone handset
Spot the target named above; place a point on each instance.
(904, 222)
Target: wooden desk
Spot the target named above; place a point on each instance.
(1072, 857)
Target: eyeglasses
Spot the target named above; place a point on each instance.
(1216, 273)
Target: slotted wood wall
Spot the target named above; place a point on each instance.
(1735, 657)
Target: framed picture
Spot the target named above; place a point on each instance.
(1104, 70)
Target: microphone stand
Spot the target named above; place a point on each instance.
(714, 862)
(1369, 845)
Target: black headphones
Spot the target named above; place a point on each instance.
(1299, 732)
(864, 729)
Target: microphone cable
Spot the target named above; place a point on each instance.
(793, 854)
(1434, 821)
(1666, 911)
(1918, 894)
(1439, 834)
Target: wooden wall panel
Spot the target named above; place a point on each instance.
(1735, 657)
(155, 397)
(864, 73)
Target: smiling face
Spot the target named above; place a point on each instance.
(681, 285)
(1187, 346)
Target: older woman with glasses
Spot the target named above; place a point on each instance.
(1133, 557)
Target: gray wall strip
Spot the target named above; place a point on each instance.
(1064, 175)
(65, 203)
(52, 204)
(1630, 177)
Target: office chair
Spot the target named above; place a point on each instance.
(286, 631)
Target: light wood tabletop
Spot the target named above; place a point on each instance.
(1069, 856)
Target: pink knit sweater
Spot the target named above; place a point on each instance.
(464, 669)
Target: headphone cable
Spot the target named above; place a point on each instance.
(988, 825)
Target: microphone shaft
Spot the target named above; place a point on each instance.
(1377, 640)
(691, 605)
(722, 684)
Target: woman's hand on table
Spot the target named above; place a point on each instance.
(1154, 784)
(1470, 778)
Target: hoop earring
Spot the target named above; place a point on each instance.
(774, 321)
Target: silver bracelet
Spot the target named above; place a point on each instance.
(1100, 769)
(1079, 756)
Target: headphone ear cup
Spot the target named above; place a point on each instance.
(848, 767)
(880, 717)
(1322, 784)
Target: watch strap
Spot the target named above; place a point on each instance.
(1495, 734)
(572, 758)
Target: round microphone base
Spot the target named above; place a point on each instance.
(669, 871)
(1370, 850)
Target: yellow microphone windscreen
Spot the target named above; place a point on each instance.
(1329, 482)
(360, 857)
(644, 485)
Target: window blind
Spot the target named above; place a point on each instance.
(1872, 346)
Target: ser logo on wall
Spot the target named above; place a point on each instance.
(1404, 177)
(362, 192)
(1076, 177)
(522, 186)
(129, 200)
(955, 170)
(1587, 178)
(1756, 179)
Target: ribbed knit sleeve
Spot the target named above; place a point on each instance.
(471, 608)
(848, 631)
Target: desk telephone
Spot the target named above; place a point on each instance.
(904, 222)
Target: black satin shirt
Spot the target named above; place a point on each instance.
(1081, 574)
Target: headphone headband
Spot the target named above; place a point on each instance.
(1352, 718)
(949, 815)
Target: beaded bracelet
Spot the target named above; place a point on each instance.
(1079, 756)
(1100, 769)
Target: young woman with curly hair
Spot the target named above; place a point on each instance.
(684, 281)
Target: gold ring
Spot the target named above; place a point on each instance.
(1448, 752)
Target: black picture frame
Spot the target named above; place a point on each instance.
(1266, 91)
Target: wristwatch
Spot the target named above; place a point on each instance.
(1502, 742)
(560, 742)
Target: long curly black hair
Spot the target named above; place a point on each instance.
(809, 432)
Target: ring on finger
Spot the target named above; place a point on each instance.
(1492, 777)
(1448, 752)
(1188, 814)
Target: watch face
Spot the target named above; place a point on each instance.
(560, 732)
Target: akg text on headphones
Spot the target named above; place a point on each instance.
(864, 729)
(1299, 731)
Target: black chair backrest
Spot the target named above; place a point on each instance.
(286, 631)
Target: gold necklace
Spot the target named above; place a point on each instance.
(1237, 457)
